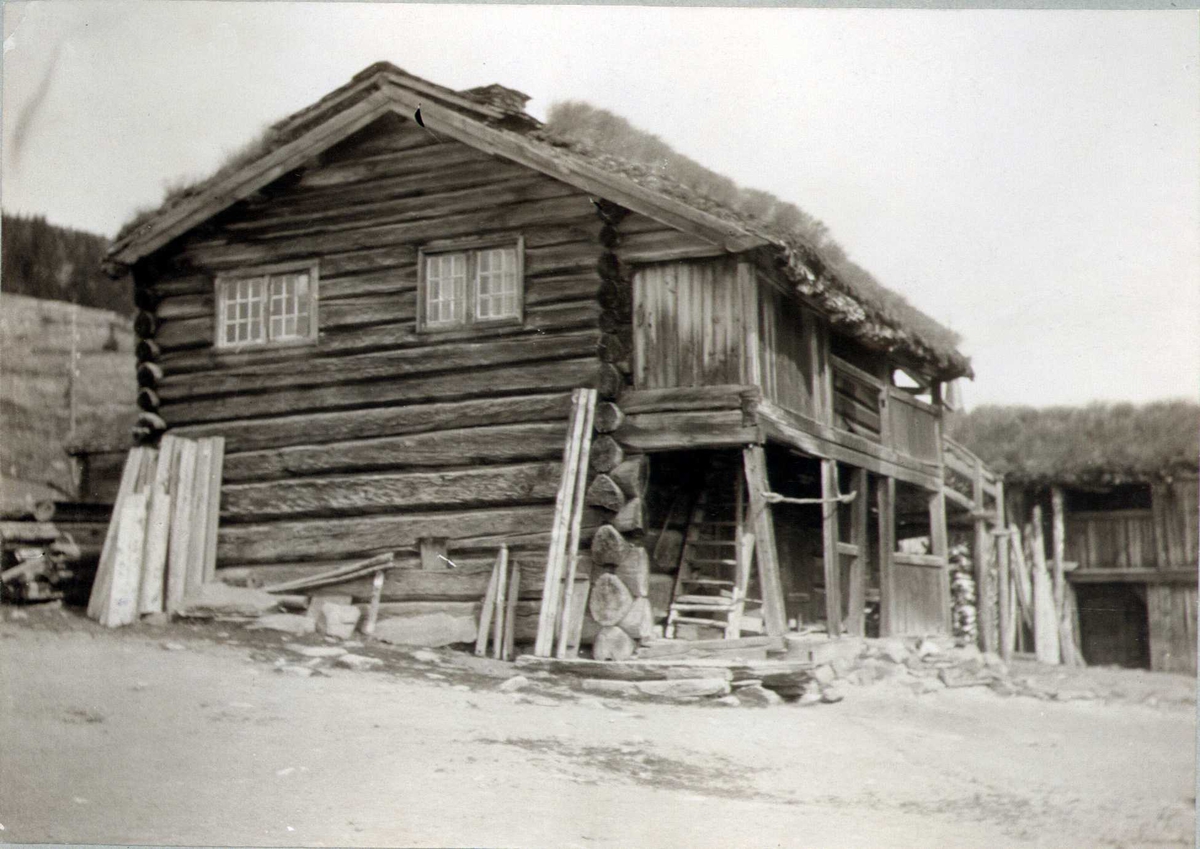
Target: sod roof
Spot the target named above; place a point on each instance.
(1101, 443)
(854, 300)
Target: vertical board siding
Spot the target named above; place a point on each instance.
(913, 429)
(786, 351)
(1115, 539)
(379, 435)
(686, 316)
(917, 602)
(1176, 519)
(1172, 614)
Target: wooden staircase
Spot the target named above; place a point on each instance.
(714, 568)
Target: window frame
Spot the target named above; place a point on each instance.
(471, 249)
(266, 272)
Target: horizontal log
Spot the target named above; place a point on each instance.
(666, 431)
(367, 207)
(608, 417)
(488, 485)
(665, 245)
(525, 624)
(334, 538)
(628, 670)
(718, 397)
(543, 318)
(509, 380)
(319, 428)
(466, 581)
(602, 492)
(454, 447)
(431, 159)
(715, 648)
(520, 218)
(398, 364)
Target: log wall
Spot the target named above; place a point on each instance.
(378, 435)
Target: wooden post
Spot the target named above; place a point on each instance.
(886, 498)
(368, 627)
(560, 529)
(1058, 541)
(982, 553)
(829, 534)
(576, 524)
(1045, 617)
(940, 544)
(1004, 590)
(757, 483)
(857, 591)
(501, 603)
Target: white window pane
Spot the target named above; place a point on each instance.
(445, 289)
(496, 284)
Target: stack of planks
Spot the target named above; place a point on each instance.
(499, 614)
(562, 561)
(162, 538)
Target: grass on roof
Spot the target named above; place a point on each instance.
(589, 130)
(1098, 443)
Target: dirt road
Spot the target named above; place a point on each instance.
(115, 738)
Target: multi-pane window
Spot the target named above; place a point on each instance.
(463, 287)
(273, 307)
(445, 289)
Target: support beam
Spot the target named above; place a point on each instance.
(983, 607)
(940, 545)
(761, 519)
(1004, 591)
(886, 502)
(857, 591)
(829, 533)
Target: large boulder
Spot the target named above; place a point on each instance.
(431, 630)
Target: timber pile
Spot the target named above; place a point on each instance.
(562, 561)
(1046, 610)
(162, 540)
(963, 595)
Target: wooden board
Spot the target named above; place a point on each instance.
(122, 602)
(102, 584)
(1171, 611)
(158, 531)
(179, 548)
(761, 521)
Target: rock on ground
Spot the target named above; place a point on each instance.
(430, 629)
(337, 620)
(758, 696)
(357, 661)
(219, 599)
(289, 623)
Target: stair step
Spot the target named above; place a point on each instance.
(708, 582)
(703, 600)
(722, 542)
(721, 561)
(697, 620)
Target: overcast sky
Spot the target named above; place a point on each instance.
(1031, 179)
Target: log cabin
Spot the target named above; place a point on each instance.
(385, 318)
(1117, 490)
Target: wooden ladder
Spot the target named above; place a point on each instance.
(714, 568)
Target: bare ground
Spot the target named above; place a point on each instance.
(114, 737)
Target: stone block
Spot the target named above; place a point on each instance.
(337, 620)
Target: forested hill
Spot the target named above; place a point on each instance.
(55, 263)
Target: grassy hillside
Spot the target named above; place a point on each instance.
(37, 387)
(55, 263)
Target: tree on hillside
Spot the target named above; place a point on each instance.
(42, 260)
